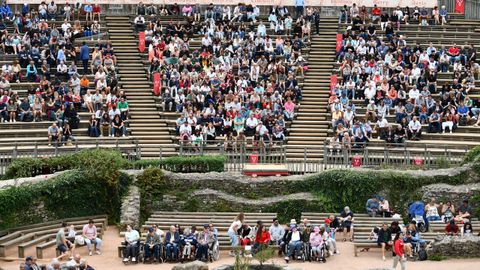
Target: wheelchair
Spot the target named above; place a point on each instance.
(161, 254)
(214, 251)
(172, 257)
(322, 257)
(297, 255)
(139, 253)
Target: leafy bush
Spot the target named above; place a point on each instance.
(471, 155)
(194, 164)
(152, 185)
(68, 195)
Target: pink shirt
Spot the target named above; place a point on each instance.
(90, 231)
(289, 106)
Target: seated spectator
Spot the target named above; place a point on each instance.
(54, 134)
(452, 228)
(152, 246)
(467, 229)
(431, 210)
(54, 265)
(316, 241)
(172, 241)
(448, 211)
(384, 209)
(293, 241)
(139, 23)
(384, 238)
(464, 212)
(132, 238)
(118, 126)
(372, 206)
(64, 245)
(206, 238)
(90, 234)
(414, 129)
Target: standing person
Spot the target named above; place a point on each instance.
(90, 234)
(84, 56)
(62, 243)
(299, 7)
(398, 254)
(316, 19)
(232, 231)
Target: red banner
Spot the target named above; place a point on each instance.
(156, 83)
(460, 6)
(333, 82)
(339, 42)
(141, 41)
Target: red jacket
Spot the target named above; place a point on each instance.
(398, 247)
(263, 239)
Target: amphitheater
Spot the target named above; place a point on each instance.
(150, 115)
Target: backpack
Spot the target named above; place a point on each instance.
(462, 121)
(422, 255)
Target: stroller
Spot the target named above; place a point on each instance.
(416, 212)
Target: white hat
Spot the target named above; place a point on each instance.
(293, 221)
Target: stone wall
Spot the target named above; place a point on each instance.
(28, 180)
(457, 246)
(444, 192)
(130, 211)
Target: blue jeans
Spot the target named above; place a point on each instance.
(172, 247)
(294, 246)
(433, 218)
(148, 251)
(233, 238)
(202, 252)
(122, 130)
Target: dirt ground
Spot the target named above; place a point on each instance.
(344, 261)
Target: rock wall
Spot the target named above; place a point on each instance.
(457, 246)
(130, 211)
(28, 180)
(444, 192)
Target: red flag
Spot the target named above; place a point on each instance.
(460, 6)
(156, 83)
(333, 82)
(141, 41)
(339, 42)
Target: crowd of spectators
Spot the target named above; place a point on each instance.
(387, 75)
(242, 81)
(47, 43)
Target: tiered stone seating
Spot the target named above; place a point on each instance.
(42, 235)
(221, 221)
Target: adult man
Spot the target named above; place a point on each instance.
(372, 206)
(28, 263)
(152, 243)
(172, 240)
(464, 212)
(25, 110)
(299, 7)
(276, 232)
(53, 134)
(90, 234)
(123, 107)
(434, 123)
(205, 240)
(251, 125)
(54, 265)
(384, 238)
(84, 56)
(131, 241)
(63, 245)
(414, 129)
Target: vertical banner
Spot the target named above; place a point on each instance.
(333, 82)
(339, 42)
(141, 41)
(460, 6)
(156, 83)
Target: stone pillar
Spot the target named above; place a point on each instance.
(130, 211)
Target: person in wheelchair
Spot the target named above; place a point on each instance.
(131, 243)
(152, 246)
(294, 243)
(172, 240)
(188, 241)
(317, 244)
(205, 240)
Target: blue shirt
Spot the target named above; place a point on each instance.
(84, 52)
(299, 3)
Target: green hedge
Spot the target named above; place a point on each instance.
(194, 164)
(472, 155)
(71, 194)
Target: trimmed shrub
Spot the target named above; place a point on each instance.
(193, 164)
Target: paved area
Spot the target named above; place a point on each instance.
(344, 261)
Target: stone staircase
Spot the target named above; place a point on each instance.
(309, 129)
(145, 123)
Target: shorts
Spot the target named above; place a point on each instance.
(64, 248)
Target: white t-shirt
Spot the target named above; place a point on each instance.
(235, 226)
(295, 236)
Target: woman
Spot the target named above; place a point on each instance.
(117, 125)
(261, 239)
(93, 127)
(232, 231)
(384, 239)
(316, 242)
(398, 254)
(67, 135)
(37, 110)
(88, 102)
(467, 229)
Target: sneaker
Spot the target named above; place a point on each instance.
(90, 253)
(249, 256)
(123, 135)
(14, 120)
(383, 258)
(135, 259)
(331, 253)
(98, 252)
(337, 252)
(125, 259)
(110, 135)
(287, 259)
